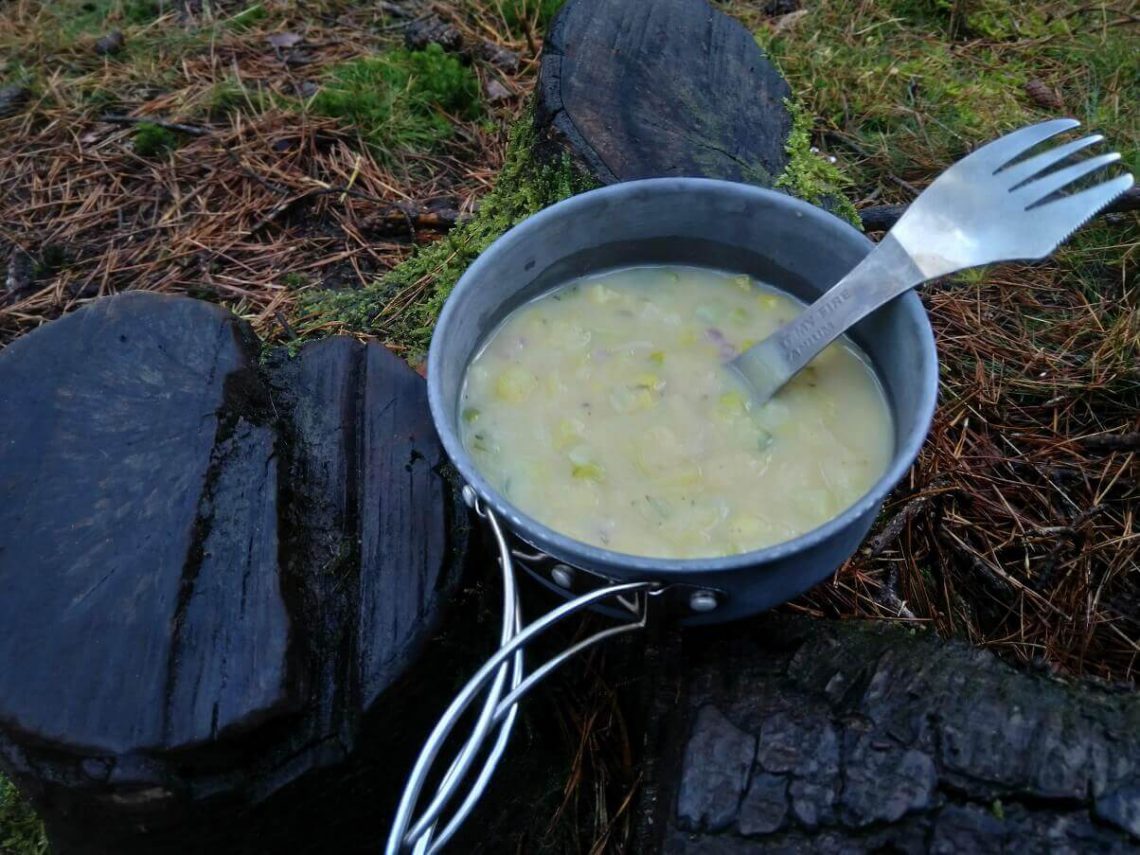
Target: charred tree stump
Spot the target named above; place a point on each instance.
(214, 578)
(668, 88)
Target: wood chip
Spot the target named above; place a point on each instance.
(496, 91)
(785, 21)
(282, 41)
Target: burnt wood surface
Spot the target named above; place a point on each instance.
(214, 570)
(668, 88)
(795, 735)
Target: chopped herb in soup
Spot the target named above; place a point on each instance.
(604, 410)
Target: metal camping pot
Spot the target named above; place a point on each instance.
(692, 221)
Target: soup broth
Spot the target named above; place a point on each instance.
(604, 410)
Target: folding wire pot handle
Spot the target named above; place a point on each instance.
(420, 834)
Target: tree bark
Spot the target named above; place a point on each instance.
(669, 88)
(796, 735)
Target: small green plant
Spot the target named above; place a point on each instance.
(973, 276)
(140, 11)
(397, 100)
(229, 96)
(51, 257)
(224, 97)
(247, 17)
(518, 12)
(21, 832)
(891, 88)
(152, 140)
(295, 280)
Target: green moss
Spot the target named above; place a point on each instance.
(153, 140)
(295, 280)
(21, 832)
(810, 176)
(398, 100)
(524, 186)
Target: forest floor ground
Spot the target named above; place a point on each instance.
(308, 165)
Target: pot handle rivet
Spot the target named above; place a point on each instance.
(470, 497)
(563, 576)
(702, 601)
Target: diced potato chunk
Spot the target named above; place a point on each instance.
(731, 404)
(601, 295)
(815, 503)
(569, 335)
(632, 399)
(568, 433)
(515, 384)
(649, 381)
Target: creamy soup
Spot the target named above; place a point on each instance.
(604, 410)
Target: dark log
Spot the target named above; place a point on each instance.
(881, 218)
(793, 735)
(215, 578)
(673, 87)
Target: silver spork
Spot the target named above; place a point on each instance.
(984, 208)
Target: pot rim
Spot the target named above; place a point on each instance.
(624, 565)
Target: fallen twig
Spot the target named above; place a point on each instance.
(192, 130)
(895, 527)
(400, 218)
(1112, 442)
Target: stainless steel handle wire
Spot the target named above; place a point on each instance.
(421, 836)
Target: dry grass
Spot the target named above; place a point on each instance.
(1017, 526)
(260, 199)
